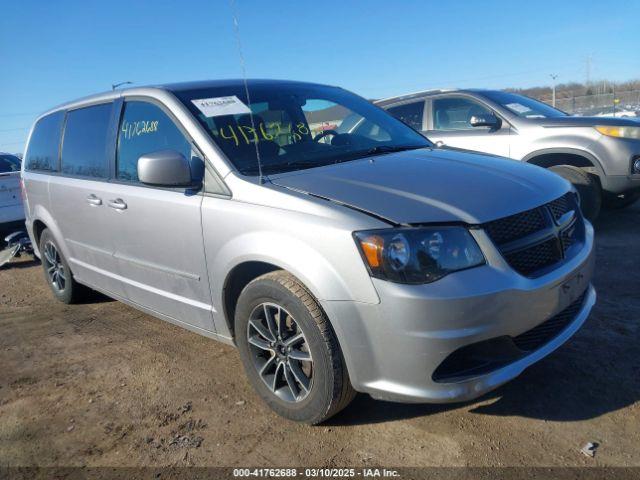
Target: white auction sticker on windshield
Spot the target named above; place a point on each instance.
(218, 106)
(517, 107)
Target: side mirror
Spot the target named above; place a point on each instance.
(485, 120)
(166, 168)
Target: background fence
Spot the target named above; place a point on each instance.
(628, 104)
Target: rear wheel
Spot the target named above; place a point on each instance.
(617, 202)
(289, 351)
(57, 272)
(587, 186)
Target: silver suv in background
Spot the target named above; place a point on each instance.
(599, 156)
(335, 262)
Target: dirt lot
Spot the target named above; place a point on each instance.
(103, 384)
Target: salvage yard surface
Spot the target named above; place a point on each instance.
(102, 384)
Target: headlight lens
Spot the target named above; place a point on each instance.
(619, 132)
(418, 255)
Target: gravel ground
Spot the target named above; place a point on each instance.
(102, 384)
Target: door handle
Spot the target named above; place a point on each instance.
(93, 200)
(118, 204)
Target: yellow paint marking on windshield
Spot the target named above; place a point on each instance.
(248, 135)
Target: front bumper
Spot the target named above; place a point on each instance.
(393, 348)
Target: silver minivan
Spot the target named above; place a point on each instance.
(336, 262)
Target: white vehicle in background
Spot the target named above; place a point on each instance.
(11, 208)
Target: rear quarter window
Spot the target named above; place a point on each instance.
(44, 145)
(84, 147)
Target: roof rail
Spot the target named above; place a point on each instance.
(421, 93)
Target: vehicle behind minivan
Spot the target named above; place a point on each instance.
(11, 209)
(335, 247)
(599, 156)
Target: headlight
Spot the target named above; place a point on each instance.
(418, 255)
(619, 132)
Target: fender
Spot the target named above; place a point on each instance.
(298, 258)
(571, 151)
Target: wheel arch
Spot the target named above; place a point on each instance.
(41, 220)
(238, 278)
(550, 157)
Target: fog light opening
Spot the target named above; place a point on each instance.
(636, 166)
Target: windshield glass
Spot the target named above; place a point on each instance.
(9, 163)
(296, 126)
(524, 107)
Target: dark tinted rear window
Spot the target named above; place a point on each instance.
(84, 148)
(42, 152)
(9, 163)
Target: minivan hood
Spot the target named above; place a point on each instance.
(585, 122)
(424, 186)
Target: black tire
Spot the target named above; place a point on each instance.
(588, 188)
(329, 389)
(616, 202)
(69, 291)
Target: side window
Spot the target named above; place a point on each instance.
(44, 145)
(84, 146)
(145, 128)
(410, 113)
(455, 113)
(323, 115)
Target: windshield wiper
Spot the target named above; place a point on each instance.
(392, 148)
(287, 166)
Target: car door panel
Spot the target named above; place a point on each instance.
(159, 250)
(158, 243)
(87, 229)
(449, 126)
(77, 196)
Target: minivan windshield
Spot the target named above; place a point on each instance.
(9, 163)
(524, 107)
(295, 126)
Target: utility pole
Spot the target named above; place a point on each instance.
(553, 89)
(588, 71)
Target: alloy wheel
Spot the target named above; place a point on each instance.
(280, 352)
(53, 266)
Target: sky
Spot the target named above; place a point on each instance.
(54, 51)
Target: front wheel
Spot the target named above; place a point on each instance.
(587, 186)
(289, 351)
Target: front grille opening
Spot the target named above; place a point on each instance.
(516, 226)
(531, 260)
(546, 331)
(531, 241)
(487, 356)
(562, 205)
